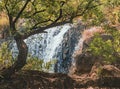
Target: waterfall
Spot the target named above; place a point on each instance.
(54, 41)
(45, 46)
(58, 43)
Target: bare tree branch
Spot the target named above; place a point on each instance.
(42, 29)
(37, 30)
(53, 24)
(7, 7)
(35, 26)
(37, 12)
(19, 14)
(58, 18)
(60, 14)
(88, 7)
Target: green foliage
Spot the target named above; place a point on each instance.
(105, 12)
(42, 13)
(33, 63)
(5, 56)
(106, 15)
(99, 71)
(108, 50)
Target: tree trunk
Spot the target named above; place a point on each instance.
(20, 62)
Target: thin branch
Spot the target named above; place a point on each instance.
(55, 22)
(95, 6)
(42, 29)
(19, 14)
(9, 15)
(79, 6)
(37, 12)
(60, 14)
(35, 26)
(7, 7)
(15, 4)
(88, 8)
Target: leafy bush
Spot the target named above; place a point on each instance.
(5, 56)
(108, 50)
(33, 63)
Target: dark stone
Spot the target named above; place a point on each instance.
(85, 60)
(69, 42)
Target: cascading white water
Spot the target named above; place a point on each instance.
(47, 45)
(54, 41)
(59, 43)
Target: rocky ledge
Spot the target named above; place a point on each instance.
(40, 80)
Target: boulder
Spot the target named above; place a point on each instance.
(85, 60)
(110, 71)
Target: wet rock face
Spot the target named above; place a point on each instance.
(69, 43)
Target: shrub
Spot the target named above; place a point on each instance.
(108, 50)
(33, 63)
(5, 56)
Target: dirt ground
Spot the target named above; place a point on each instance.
(30, 79)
